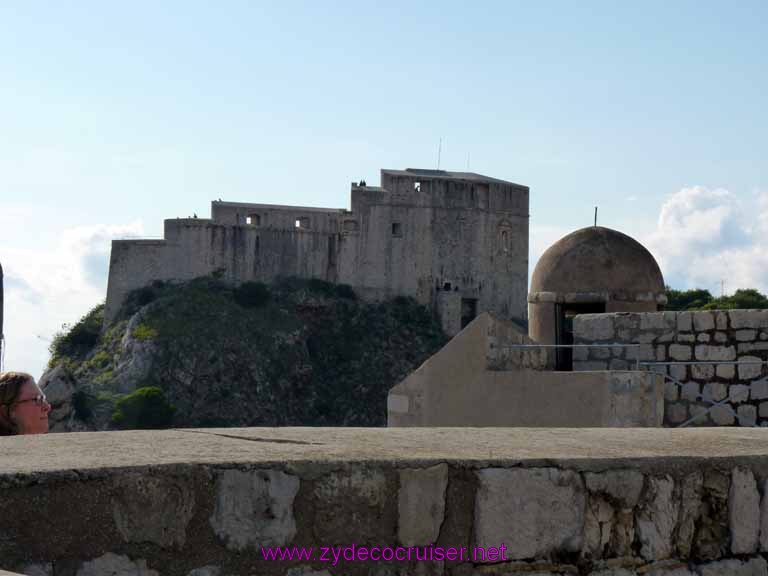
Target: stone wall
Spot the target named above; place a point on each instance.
(205, 502)
(726, 335)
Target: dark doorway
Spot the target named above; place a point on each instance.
(565, 314)
(468, 310)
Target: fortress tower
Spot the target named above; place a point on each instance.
(455, 241)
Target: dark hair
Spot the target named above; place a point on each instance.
(10, 385)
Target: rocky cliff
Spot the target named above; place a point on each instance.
(295, 353)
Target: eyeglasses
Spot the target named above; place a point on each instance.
(40, 400)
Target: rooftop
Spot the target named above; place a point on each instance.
(446, 175)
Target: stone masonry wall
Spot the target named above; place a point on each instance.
(741, 390)
(552, 521)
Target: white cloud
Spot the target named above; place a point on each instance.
(707, 235)
(48, 287)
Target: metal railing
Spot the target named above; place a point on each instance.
(701, 397)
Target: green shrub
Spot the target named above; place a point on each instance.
(252, 294)
(144, 408)
(142, 333)
(81, 338)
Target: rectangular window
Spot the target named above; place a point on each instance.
(302, 223)
(397, 229)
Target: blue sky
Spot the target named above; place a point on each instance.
(116, 116)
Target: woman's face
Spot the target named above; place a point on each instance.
(30, 410)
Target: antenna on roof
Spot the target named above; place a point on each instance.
(595, 215)
(439, 150)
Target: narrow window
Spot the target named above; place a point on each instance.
(253, 219)
(417, 186)
(302, 222)
(397, 229)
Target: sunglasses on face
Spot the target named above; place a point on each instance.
(40, 400)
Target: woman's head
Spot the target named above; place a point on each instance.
(23, 407)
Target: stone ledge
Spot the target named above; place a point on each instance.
(580, 449)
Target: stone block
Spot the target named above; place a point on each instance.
(702, 371)
(676, 413)
(666, 337)
(700, 412)
(720, 337)
(749, 371)
(656, 518)
(727, 371)
(363, 502)
(600, 353)
(714, 391)
(684, 322)
(254, 508)
(686, 338)
(721, 320)
(743, 512)
(421, 504)
(690, 391)
(763, 410)
(597, 327)
(154, 509)
(678, 371)
(748, 318)
(115, 565)
(671, 391)
(652, 321)
(747, 347)
(722, 415)
(618, 364)
(703, 321)
(715, 353)
(747, 415)
(534, 512)
(691, 490)
(703, 337)
(680, 352)
(763, 335)
(643, 338)
(758, 390)
(661, 353)
(738, 393)
(580, 354)
(622, 487)
(746, 335)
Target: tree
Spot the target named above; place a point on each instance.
(694, 299)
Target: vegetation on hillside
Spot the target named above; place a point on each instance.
(205, 353)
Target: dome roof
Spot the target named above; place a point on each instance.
(597, 259)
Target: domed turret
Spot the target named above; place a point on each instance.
(591, 270)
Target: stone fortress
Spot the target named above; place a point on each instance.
(455, 241)
(598, 351)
